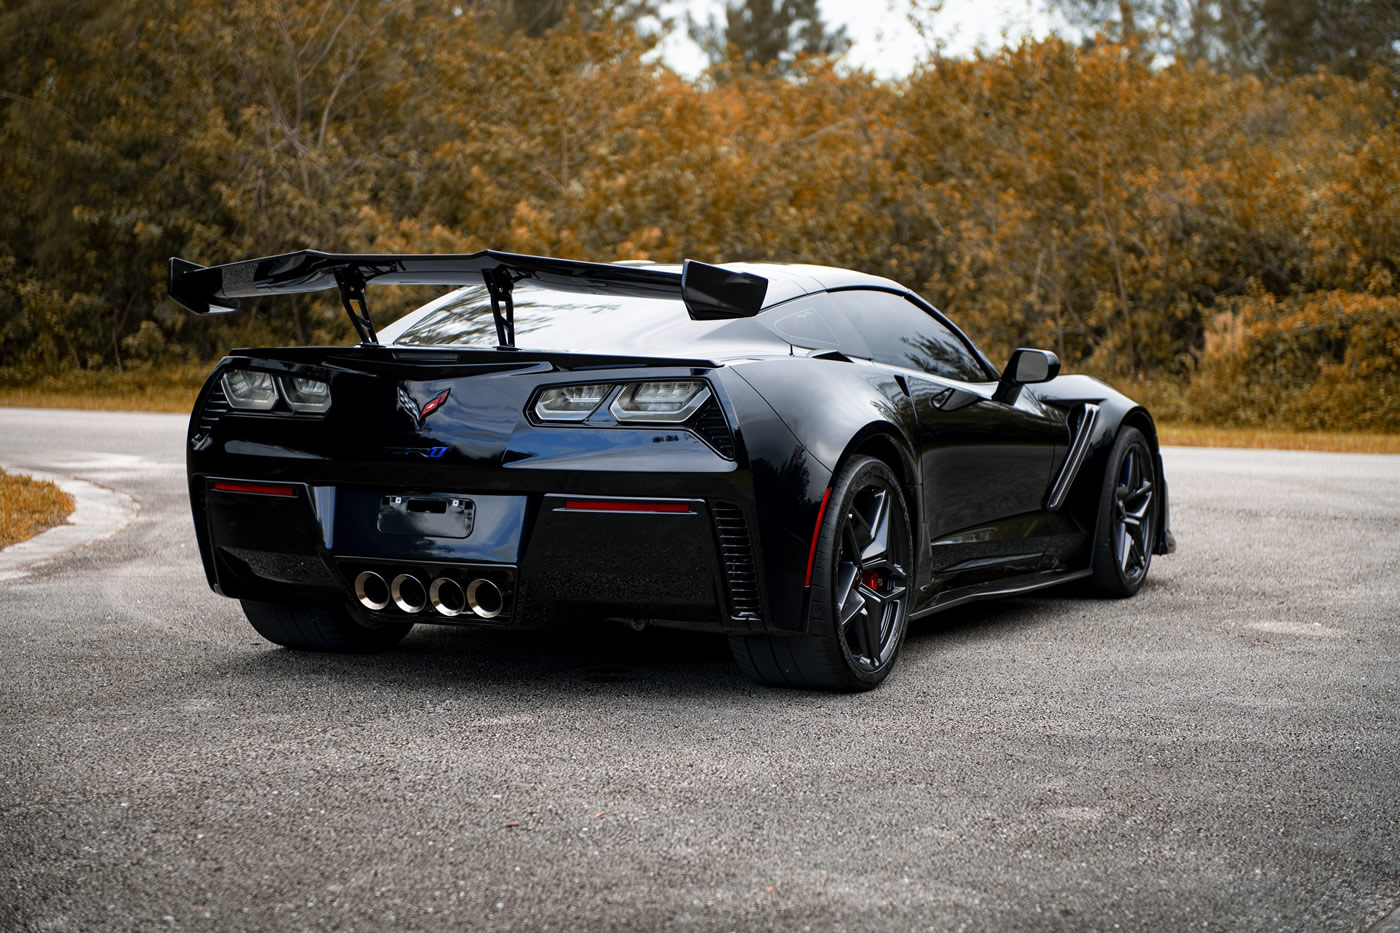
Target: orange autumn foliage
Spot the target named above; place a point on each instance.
(1228, 245)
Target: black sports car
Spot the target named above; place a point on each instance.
(801, 457)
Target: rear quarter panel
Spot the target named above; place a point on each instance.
(801, 418)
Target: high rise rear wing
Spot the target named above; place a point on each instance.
(709, 292)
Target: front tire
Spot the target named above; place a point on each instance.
(859, 599)
(321, 627)
(1127, 517)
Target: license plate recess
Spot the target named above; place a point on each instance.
(437, 516)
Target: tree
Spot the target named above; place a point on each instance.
(768, 33)
(533, 18)
(1269, 38)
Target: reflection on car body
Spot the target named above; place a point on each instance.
(801, 457)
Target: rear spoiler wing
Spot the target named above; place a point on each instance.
(709, 292)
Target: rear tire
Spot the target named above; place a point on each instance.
(858, 603)
(1127, 522)
(321, 627)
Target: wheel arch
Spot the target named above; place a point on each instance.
(883, 441)
(1136, 416)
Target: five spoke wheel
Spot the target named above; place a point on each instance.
(857, 604)
(871, 581)
(1127, 521)
(1133, 514)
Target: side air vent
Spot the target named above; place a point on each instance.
(1083, 427)
(736, 552)
(215, 407)
(709, 423)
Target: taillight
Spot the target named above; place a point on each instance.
(570, 403)
(250, 390)
(306, 395)
(668, 402)
(688, 402)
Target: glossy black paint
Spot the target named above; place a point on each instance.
(976, 460)
(709, 292)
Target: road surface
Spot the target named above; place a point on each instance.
(1220, 753)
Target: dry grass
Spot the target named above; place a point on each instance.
(28, 506)
(169, 400)
(170, 388)
(1191, 435)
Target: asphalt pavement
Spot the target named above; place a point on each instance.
(1221, 752)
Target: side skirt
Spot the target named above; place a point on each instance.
(1013, 586)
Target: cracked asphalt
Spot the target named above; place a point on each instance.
(1221, 752)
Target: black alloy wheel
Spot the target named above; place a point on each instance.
(869, 595)
(858, 604)
(1127, 517)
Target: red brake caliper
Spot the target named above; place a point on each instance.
(871, 579)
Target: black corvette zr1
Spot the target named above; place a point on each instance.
(802, 457)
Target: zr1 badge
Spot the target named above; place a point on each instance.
(432, 453)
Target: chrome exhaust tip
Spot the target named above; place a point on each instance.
(447, 597)
(408, 594)
(371, 590)
(484, 598)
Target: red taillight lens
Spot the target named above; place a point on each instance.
(256, 489)
(623, 505)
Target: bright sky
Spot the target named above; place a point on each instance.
(883, 40)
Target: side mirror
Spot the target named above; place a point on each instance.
(1025, 367)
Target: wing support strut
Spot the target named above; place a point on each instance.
(501, 286)
(352, 289)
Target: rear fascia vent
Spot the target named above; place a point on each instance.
(709, 423)
(737, 556)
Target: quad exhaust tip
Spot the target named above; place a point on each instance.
(482, 597)
(447, 597)
(408, 593)
(372, 591)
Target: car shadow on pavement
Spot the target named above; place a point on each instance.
(437, 659)
(601, 658)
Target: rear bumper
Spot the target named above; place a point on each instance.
(555, 555)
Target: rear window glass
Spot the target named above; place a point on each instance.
(545, 318)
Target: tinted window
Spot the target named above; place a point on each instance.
(803, 323)
(548, 318)
(898, 332)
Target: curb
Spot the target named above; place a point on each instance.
(1390, 923)
(98, 513)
